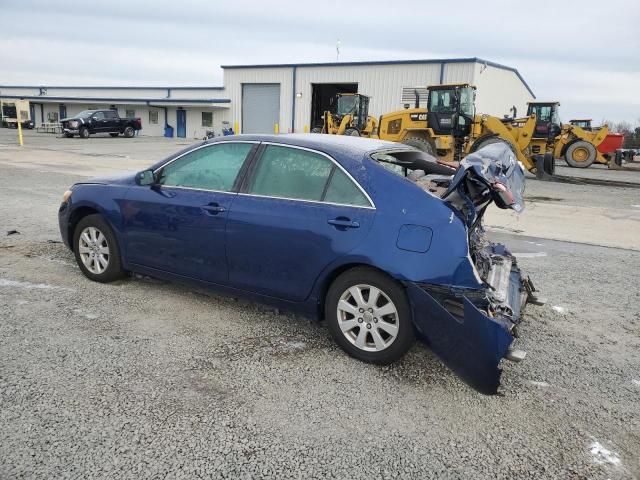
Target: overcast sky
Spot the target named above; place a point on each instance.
(585, 54)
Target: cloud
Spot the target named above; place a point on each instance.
(563, 52)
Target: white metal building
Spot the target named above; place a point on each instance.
(283, 97)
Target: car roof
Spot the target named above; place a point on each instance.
(331, 144)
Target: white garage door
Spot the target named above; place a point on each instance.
(260, 107)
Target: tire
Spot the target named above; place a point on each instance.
(483, 142)
(68, 135)
(114, 134)
(316, 130)
(421, 144)
(549, 164)
(129, 132)
(84, 132)
(580, 154)
(352, 132)
(96, 250)
(374, 340)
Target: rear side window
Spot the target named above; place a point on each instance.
(342, 190)
(291, 173)
(210, 168)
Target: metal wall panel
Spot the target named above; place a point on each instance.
(235, 78)
(383, 83)
(498, 90)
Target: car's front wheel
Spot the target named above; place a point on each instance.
(96, 249)
(83, 132)
(369, 316)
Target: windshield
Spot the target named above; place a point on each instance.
(347, 104)
(545, 113)
(85, 113)
(444, 100)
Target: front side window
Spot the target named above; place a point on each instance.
(99, 116)
(207, 119)
(214, 167)
(302, 175)
(467, 100)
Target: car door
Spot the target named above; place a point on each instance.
(99, 122)
(298, 211)
(113, 123)
(178, 224)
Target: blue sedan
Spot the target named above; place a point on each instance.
(377, 238)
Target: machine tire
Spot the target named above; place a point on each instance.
(129, 132)
(316, 130)
(114, 134)
(352, 132)
(362, 278)
(421, 144)
(549, 164)
(580, 154)
(483, 142)
(83, 132)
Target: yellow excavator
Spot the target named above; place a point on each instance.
(351, 117)
(576, 142)
(449, 128)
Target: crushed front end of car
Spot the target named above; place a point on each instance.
(470, 323)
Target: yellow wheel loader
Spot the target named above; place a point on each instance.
(576, 142)
(351, 117)
(449, 128)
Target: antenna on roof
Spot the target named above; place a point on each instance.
(338, 50)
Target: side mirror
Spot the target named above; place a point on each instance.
(145, 177)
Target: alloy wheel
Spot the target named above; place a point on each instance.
(94, 250)
(368, 318)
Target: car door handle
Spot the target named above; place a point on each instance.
(343, 222)
(213, 208)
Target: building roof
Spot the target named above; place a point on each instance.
(443, 61)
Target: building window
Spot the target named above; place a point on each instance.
(207, 119)
(52, 117)
(130, 113)
(153, 117)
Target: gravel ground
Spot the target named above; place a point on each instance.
(145, 379)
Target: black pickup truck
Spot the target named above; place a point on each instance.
(89, 122)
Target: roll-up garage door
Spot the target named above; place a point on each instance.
(260, 107)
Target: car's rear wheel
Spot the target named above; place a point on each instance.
(369, 316)
(84, 132)
(129, 132)
(96, 249)
(114, 134)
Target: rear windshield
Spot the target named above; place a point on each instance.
(403, 162)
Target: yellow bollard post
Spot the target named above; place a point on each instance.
(20, 133)
(276, 128)
(235, 128)
(306, 129)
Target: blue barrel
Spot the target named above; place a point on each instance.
(168, 131)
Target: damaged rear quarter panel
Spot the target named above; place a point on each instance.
(472, 347)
